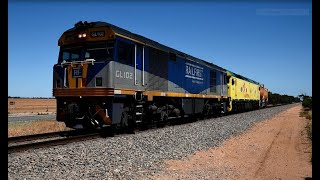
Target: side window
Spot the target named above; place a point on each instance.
(232, 81)
(125, 53)
(213, 81)
(65, 56)
(225, 79)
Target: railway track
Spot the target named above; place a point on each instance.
(22, 143)
(16, 139)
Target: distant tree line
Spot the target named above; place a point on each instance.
(274, 98)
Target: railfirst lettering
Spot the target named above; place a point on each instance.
(193, 71)
(124, 75)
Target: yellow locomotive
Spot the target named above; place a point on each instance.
(243, 93)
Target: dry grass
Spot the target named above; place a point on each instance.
(309, 129)
(29, 105)
(33, 106)
(35, 127)
(307, 113)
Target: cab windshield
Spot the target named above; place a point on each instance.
(102, 51)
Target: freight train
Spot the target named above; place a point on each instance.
(108, 76)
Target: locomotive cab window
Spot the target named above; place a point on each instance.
(98, 54)
(70, 54)
(100, 51)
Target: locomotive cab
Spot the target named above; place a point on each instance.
(81, 78)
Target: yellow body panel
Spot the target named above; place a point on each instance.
(242, 89)
(239, 89)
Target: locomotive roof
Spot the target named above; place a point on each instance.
(242, 77)
(145, 40)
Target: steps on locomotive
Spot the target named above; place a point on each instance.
(139, 111)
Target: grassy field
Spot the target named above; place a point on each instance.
(34, 127)
(33, 106)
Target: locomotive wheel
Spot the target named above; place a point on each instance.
(163, 119)
(207, 111)
(126, 123)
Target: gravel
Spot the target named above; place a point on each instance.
(136, 156)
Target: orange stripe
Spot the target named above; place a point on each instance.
(168, 94)
(110, 92)
(83, 92)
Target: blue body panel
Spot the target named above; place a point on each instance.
(95, 69)
(192, 77)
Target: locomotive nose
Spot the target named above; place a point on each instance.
(75, 75)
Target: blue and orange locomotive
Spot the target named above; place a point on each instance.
(108, 76)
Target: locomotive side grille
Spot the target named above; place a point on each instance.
(158, 70)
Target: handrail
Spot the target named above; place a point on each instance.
(87, 61)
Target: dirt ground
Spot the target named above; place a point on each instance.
(277, 148)
(29, 105)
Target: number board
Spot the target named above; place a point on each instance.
(76, 72)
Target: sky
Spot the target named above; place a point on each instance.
(269, 42)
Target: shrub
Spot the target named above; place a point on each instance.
(307, 102)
